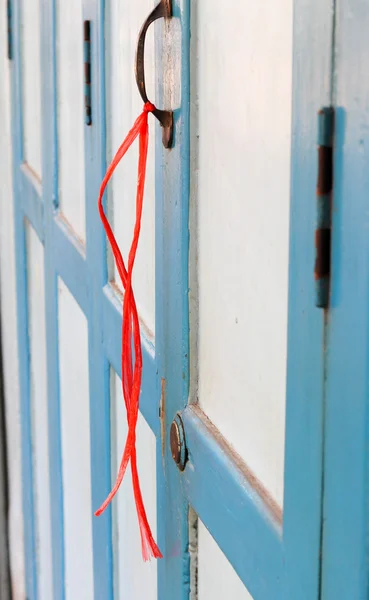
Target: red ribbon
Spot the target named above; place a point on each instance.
(131, 370)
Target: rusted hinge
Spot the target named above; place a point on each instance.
(324, 206)
(87, 70)
(9, 27)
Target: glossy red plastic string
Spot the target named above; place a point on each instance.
(131, 373)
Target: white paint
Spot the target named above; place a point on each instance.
(216, 577)
(242, 79)
(133, 578)
(31, 83)
(39, 410)
(71, 117)
(75, 435)
(124, 104)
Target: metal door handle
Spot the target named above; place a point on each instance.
(165, 117)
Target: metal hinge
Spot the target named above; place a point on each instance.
(10, 27)
(87, 70)
(324, 206)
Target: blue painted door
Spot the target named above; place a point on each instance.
(275, 550)
(276, 553)
(234, 145)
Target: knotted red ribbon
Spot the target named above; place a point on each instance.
(131, 369)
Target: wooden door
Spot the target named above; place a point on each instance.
(254, 78)
(233, 342)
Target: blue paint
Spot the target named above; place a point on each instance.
(31, 200)
(69, 260)
(99, 372)
(50, 195)
(172, 326)
(312, 49)
(346, 516)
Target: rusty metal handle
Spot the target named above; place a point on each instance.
(165, 117)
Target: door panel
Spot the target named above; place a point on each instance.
(31, 83)
(39, 409)
(75, 442)
(235, 495)
(123, 21)
(242, 200)
(70, 111)
(216, 579)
